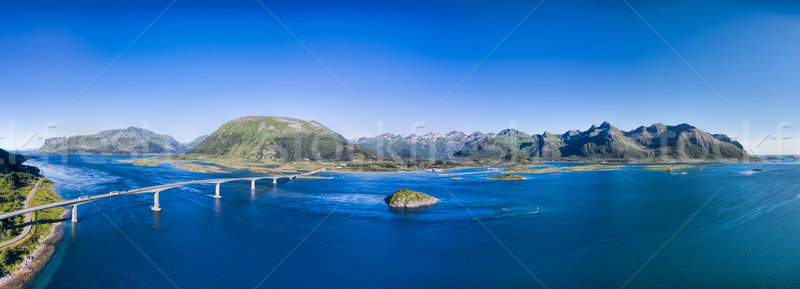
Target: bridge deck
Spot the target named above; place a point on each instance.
(153, 189)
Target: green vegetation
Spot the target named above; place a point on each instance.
(392, 166)
(14, 188)
(132, 140)
(143, 162)
(668, 167)
(199, 168)
(583, 168)
(154, 161)
(277, 139)
(657, 143)
(404, 198)
(522, 166)
(508, 177)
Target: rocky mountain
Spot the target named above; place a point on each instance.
(429, 146)
(196, 141)
(129, 141)
(505, 145)
(603, 142)
(685, 142)
(277, 138)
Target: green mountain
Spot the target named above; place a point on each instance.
(604, 142)
(277, 138)
(509, 144)
(10, 163)
(130, 141)
(685, 142)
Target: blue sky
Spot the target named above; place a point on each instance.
(569, 65)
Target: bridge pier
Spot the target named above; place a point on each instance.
(155, 207)
(74, 213)
(253, 184)
(216, 194)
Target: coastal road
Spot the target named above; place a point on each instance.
(27, 204)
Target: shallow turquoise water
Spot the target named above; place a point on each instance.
(595, 229)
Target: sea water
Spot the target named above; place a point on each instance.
(722, 226)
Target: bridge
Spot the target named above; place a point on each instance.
(155, 190)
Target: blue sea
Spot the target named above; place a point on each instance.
(722, 226)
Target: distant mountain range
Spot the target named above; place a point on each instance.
(277, 138)
(129, 141)
(195, 142)
(289, 139)
(604, 142)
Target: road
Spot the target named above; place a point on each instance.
(27, 204)
(153, 189)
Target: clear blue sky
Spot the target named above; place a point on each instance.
(569, 65)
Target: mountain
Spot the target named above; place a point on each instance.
(684, 141)
(508, 144)
(277, 138)
(429, 146)
(603, 142)
(195, 142)
(129, 141)
(13, 163)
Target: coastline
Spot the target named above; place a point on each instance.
(205, 164)
(34, 262)
(227, 165)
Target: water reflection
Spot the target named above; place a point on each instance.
(156, 222)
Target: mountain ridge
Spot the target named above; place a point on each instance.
(127, 141)
(604, 142)
(276, 138)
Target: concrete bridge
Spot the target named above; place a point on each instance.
(155, 190)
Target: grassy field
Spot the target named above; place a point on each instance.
(200, 168)
(668, 167)
(583, 168)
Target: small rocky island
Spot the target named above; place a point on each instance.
(508, 177)
(408, 199)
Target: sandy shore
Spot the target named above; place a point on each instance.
(35, 261)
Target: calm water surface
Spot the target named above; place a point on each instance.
(595, 229)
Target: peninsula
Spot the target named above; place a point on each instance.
(24, 247)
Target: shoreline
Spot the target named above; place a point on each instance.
(203, 164)
(34, 262)
(286, 168)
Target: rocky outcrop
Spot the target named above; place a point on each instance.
(408, 199)
(508, 177)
